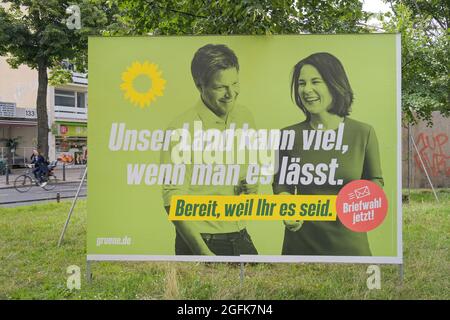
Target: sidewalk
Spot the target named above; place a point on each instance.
(73, 173)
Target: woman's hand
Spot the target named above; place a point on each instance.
(292, 225)
(245, 188)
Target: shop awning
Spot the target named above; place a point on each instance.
(18, 122)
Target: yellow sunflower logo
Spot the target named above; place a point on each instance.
(148, 70)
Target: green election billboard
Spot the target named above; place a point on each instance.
(245, 148)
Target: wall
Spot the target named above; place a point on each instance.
(433, 145)
(18, 85)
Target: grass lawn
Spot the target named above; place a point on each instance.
(33, 267)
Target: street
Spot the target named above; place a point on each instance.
(10, 197)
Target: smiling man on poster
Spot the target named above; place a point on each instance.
(215, 71)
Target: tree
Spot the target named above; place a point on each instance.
(180, 17)
(423, 26)
(34, 32)
(437, 10)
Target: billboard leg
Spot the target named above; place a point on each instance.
(88, 272)
(241, 274)
(424, 168)
(409, 162)
(71, 208)
(400, 273)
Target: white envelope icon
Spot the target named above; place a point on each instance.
(362, 192)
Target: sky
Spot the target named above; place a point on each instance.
(375, 6)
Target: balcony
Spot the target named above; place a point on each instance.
(70, 113)
(79, 78)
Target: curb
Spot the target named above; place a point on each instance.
(58, 183)
(42, 199)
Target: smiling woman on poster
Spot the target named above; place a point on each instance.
(321, 89)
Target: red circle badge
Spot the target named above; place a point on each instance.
(361, 205)
(63, 129)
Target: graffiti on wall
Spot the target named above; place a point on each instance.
(432, 149)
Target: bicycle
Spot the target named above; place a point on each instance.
(24, 182)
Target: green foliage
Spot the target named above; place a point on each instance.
(59, 76)
(438, 10)
(34, 31)
(240, 17)
(425, 60)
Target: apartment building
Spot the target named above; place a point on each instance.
(67, 115)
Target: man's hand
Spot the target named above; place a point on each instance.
(292, 225)
(191, 236)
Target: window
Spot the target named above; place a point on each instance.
(65, 98)
(81, 100)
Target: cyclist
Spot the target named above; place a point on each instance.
(40, 167)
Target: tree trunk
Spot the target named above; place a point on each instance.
(41, 108)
